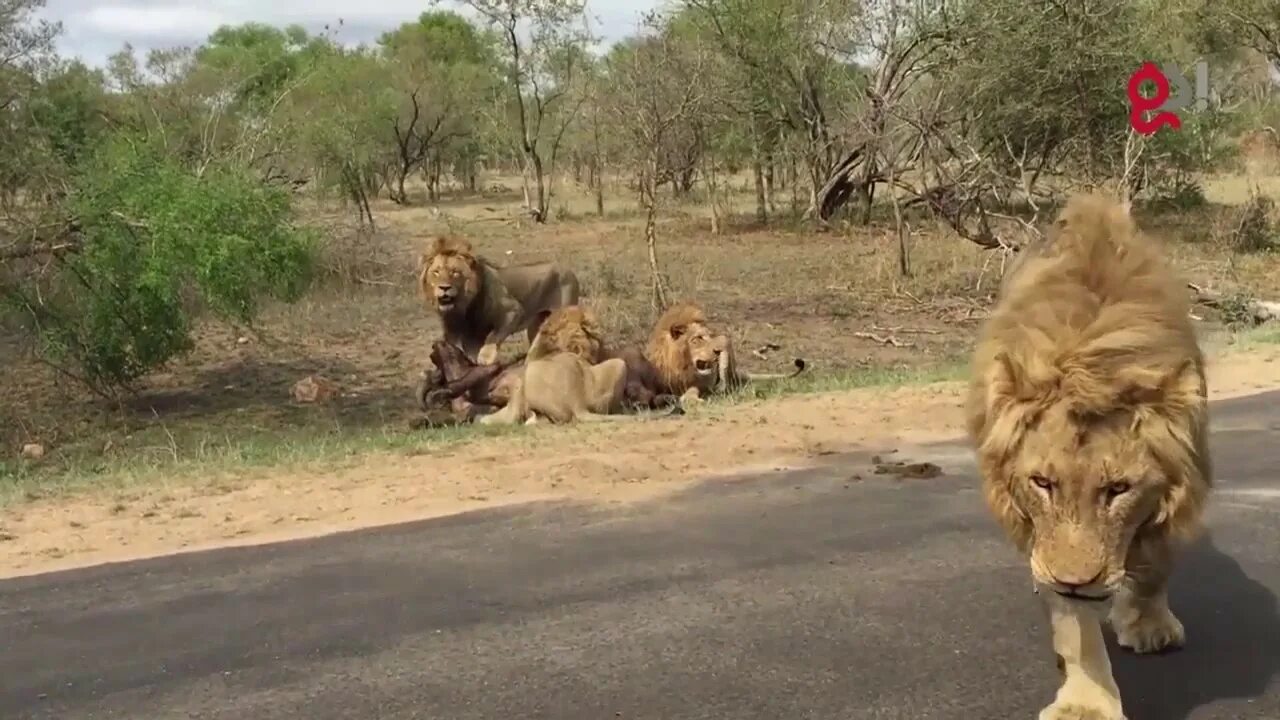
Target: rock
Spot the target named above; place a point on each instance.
(314, 388)
(33, 451)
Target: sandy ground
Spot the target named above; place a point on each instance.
(619, 463)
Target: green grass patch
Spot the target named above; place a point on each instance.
(805, 383)
(158, 455)
(161, 457)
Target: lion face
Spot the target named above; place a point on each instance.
(450, 277)
(1086, 487)
(701, 347)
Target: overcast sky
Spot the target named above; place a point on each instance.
(93, 29)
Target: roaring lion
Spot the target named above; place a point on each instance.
(565, 377)
(692, 361)
(481, 304)
(1088, 410)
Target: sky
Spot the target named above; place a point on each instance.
(94, 29)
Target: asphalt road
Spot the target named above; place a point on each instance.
(802, 595)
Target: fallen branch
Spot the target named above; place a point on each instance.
(1260, 311)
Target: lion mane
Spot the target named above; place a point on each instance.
(1094, 321)
(480, 304)
(473, 311)
(573, 329)
(681, 340)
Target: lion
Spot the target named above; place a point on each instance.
(565, 376)
(691, 361)
(480, 304)
(1088, 410)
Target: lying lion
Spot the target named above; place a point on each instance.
(565, 379)
(692, 361)
(480, 304)
(1088, 408)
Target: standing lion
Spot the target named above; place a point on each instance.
(480, 304)
(1088, 409)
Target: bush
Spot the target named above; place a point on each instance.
(159, 244)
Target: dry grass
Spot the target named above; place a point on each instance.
(834, 298)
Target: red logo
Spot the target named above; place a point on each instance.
(1140, 105)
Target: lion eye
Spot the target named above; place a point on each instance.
(1042, 482)
(1115, 490)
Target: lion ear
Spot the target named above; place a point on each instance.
(1175, 392)
(435, 246)
(678, 330)
(1007, 379)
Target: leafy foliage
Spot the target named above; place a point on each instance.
(159, 244)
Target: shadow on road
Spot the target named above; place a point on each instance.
(1233, 632)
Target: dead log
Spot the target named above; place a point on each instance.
(841, 183)
(1259, 311)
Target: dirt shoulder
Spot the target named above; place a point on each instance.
(619, 463)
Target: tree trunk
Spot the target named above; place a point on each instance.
(599, 185)
(540, 212)
(399, 197)
(713, 199)
(762, 209)
(791, 180)
(904, 231)
(768, 182)
(649, 195)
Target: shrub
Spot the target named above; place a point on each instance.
(159, 244)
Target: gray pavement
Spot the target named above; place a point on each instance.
(833, 593)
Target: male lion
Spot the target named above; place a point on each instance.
(481, 304)
(1088, 409)
(691, 360)
(562, 380)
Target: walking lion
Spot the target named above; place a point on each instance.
(1088, 410)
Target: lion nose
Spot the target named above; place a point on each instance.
(1074, 582)
(444, 290)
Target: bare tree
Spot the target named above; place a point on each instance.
(658, 87)
(541, 71)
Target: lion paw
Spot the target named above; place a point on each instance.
(488, 355)
(1072, 711)
(1151, 633)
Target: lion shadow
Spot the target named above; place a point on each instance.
(1233, 642)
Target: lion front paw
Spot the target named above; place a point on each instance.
(1072, 711)
(1151, 632)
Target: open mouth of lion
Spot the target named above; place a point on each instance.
(444, 301)
(703, 367)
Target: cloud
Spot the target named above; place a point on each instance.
(94, 29)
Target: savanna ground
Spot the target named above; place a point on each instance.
(215, 451)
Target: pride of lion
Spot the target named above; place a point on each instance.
(1087, 408)
(570, 373)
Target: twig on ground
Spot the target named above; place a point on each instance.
(884, 339)
(906, 330)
